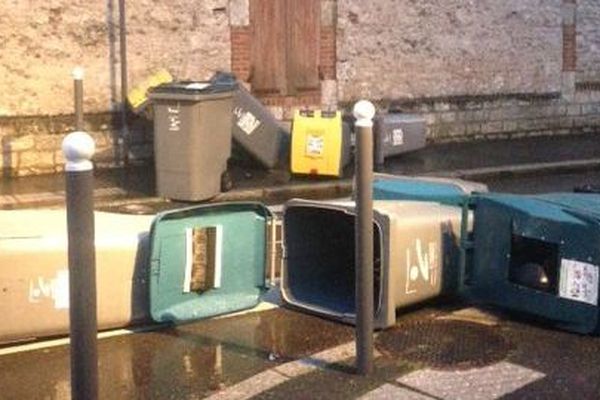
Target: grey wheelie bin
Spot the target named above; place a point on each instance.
(256, 130)
(192, 138)
(395, 134)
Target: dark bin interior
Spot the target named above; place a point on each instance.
(320, 259)
(534, 264)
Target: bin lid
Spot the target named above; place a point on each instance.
(539, 255)
(207, 260)
(442, 190)
(192, 90)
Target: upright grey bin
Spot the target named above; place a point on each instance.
(256, 129)
(396, 134)
(192, 138)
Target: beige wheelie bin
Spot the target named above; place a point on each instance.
(416, 256)
(34, 280)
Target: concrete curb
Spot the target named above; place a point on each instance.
(343, 187)
(522, 169)
(308, 190)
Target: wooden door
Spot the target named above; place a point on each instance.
(285, 46)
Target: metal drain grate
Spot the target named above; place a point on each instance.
(444, 344)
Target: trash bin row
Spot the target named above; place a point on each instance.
(196, 121)
(535, 255)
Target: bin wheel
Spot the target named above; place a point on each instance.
(226, 182)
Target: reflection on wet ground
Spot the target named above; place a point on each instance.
(189, 361)
(218, 356)
(541, 363)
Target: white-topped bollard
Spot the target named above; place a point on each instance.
(364, 111)
(78, 148)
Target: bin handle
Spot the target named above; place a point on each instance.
(466, 244)
(273, 245)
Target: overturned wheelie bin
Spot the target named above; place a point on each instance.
(415, 256)
(34, 272)
(537, 255)
(212, 259)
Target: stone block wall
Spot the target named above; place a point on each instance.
(32, 145)
(588, 41)
(429, 48)
(43, 41)
(502, 117)
(473, 69)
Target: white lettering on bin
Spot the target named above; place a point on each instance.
(56, 289)
(425, 269)
(174, 119)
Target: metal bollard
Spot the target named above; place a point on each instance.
(78, 93)
(78, 148)
(364, 111)
(123, 141)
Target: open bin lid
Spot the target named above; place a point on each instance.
(539, 255)
(208, 260)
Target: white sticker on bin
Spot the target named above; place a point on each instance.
(246, 121)
(197, 85)
(398, 137)
(579, 281)
(314, 145)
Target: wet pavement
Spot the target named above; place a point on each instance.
(184, 362)
(543, 182)
(441, 351)
(282, 354)
(496, 153)
(473, 160)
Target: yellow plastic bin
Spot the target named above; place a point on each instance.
(320, 145)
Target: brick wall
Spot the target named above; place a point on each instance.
(240, 52)
(327, 53)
